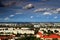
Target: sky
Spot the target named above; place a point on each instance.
(30, 11)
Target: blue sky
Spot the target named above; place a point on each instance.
(43, 11)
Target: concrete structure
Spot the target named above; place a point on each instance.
(11, 31)
(15, 31)
(36, 25)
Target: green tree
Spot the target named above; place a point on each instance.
(29, 38)
(49, 32)
(56, 31)
(36, 30)
(54, 39)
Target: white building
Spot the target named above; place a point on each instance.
(36, 25)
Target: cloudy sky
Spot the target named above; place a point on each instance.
(30, 11)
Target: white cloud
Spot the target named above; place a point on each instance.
(6, 18)
(18, 13)
(47, 13)
(29, 6)
(55, 17)
(58, 9)
(31, 17)
(54, 11)
(40, 10)
(12, 15)
(51, 10)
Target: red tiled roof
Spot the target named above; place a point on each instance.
(4, 37)
(48, 36)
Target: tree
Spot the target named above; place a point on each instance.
(18, 35)
(36, 30)
(49, 32)
(56, 31)
(29, 38)
(54, 39)
(44, 32)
